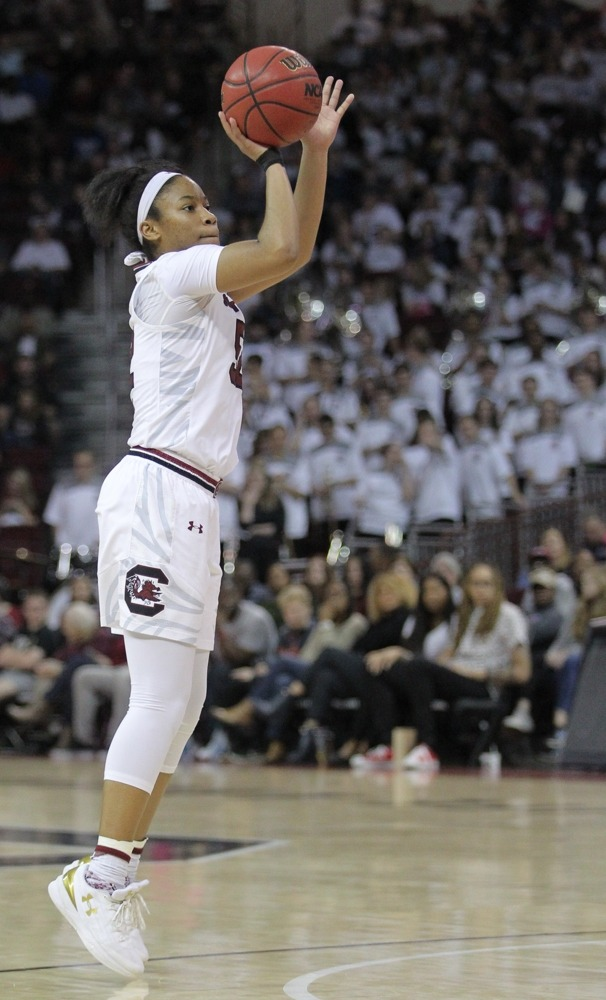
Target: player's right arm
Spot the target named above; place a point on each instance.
(250, 266)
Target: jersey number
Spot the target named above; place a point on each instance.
(235, 370)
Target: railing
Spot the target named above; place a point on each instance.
(506, 541)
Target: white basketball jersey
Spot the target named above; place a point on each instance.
(186, 363)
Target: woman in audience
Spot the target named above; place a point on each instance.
(19, 504)
(278, 684)
(340, 674)
(557, 549)
(488, 649)
(261, 519)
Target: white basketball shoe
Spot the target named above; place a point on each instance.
(107, 922)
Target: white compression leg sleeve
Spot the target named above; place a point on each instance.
(168, 688)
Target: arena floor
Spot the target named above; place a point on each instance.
(322, 885)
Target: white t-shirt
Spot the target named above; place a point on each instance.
(493, 651)
(187, 361)
(71, 511)
(438, 485)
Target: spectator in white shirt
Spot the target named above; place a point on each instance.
(548, 457)
(522, 419)
(71, 507)
(404, 407)
(335, 472)
(585, 420)
(426, 381)
(377, 429)
(487, 474)
(40, 251)
(384, 494)
(338, 400)
(435, 467)
(290, 474)
(374, 214)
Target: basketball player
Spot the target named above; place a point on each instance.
(159, 569)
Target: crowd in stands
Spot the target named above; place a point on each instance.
(440, 361)
(441, 357)
(320, 664)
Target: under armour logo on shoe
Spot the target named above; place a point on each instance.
(91, 909)
(191, 527)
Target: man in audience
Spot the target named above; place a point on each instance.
(70, 509)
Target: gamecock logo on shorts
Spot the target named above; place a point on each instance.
(142, 591)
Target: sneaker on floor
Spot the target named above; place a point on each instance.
(520, 720)
(106, 921)
(377, 756)
(216, 749)
(421, 758)
(557, 742)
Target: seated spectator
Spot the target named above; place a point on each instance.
(565, 592)
(488, 649)
(296, 610)
(565, 655)
(339, 673)
(316, 575)
(557, 549)
(594, 535)
(447, 565)
(84, 642)
(357, 575)
(544, 624)
(282, 679)
(19, 503)
(245, 634)
(96, 686)
(78, 587)
(25, 649)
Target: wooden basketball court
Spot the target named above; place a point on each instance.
(322, 885)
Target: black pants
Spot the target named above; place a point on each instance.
(338, 673)
(409, 688)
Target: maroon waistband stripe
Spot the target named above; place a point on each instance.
(179, 466)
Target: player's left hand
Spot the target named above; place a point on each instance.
(325, 128)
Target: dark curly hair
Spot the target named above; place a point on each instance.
(111, 200)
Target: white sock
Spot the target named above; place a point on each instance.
(108, 867)
(135, 858)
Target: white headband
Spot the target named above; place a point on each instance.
(151, 189)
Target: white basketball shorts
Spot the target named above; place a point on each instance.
(159, 553)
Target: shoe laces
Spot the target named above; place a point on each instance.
(131, 907)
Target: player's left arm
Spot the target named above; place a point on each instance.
(310, 188)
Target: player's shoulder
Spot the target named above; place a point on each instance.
(184, 258)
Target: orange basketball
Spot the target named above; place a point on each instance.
(274, 94)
